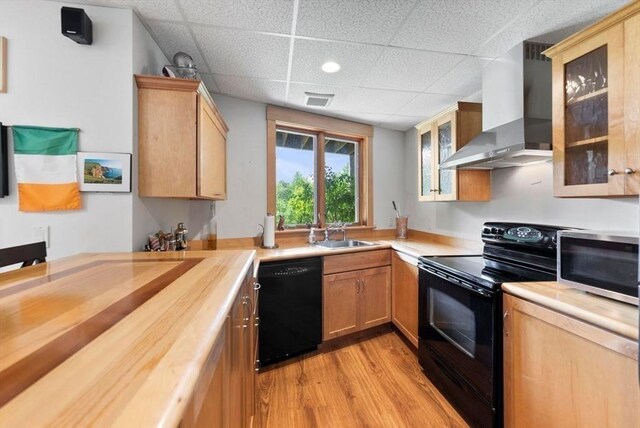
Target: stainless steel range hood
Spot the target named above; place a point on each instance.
(516, 113)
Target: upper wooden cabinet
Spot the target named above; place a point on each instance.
(596, 104)
(181, 140)
(439, 138)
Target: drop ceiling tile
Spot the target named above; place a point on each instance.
(148, 9)
(377, 101)
(550, 22)
(366, 118)
(209, 82)
(261, 90)
(371, 21)
(263, 15)
(355, 60)
(460, 26)
(463, 80)
(157, 9)
(409, 70)
(173, 37)
(401, 123)
(296, 95)
(241, 53)
(427, 105)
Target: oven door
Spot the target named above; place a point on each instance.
(458, 328)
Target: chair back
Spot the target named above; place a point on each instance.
(26, 254)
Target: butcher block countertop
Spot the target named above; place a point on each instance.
(617, 317)
(414, 248)
(111, 339)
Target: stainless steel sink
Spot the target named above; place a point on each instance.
(349, 243)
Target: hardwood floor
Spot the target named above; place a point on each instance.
(374, 381)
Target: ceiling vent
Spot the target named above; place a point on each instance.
(317, 100)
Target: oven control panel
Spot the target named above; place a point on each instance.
(532, 235)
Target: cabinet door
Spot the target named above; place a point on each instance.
(212, 153)
(445, 146)
(632, 104)
(588, 99)
(425, 167)
(237, 360)
(249, 362)
(166, 143)
(404, 298)
(340, 303)
(561, 372)
(375, 293)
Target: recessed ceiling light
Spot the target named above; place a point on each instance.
(330, 67)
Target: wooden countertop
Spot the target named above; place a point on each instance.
(111, 339)
(618, 317)
(410, 247)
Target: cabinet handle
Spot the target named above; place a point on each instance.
(257, 323)
(257, 365)
(612, 172)
(257, 286)
(245, 319)
(362, 285)
(504, 323)
(629, 171)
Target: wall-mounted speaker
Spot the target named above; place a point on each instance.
(76, 25)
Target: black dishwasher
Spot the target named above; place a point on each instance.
(290, 308)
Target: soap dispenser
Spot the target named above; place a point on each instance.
(312, 236)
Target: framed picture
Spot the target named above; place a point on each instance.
(104, 172)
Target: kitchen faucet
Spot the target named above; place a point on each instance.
(334, 227)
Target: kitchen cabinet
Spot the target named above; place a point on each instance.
(225, 394)
(358, 297)
(596, 104)
(181, 140)
(560, 371)
(439, 138)
(404, 295)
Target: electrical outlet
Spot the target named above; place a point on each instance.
(41, 233)
(390, 222)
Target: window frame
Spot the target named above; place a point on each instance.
(280, 118)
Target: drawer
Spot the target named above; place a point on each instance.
(356, 261)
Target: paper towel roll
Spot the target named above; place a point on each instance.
(269, 238)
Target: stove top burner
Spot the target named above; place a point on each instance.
(478, 270)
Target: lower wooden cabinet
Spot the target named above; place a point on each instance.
(225, 395)
(404, 295)
(356, 300)
(562, 372)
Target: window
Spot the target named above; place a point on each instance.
(317, 169)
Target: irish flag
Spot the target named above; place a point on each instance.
(45, 160)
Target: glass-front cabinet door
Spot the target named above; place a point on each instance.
(438, 138)
(425, 179)
(446, 189)
(588, 98)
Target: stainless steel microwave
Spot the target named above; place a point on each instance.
(600, 263)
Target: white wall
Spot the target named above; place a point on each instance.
(53, 81)
(152, 214)
(523, 194)
(388, 176)
(246, 205)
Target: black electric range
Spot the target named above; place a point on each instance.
(460, 314)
